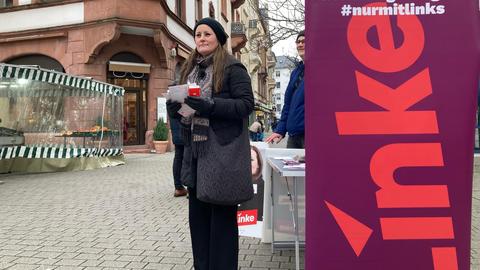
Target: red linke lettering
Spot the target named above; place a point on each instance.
(393, 115)
(247, 217)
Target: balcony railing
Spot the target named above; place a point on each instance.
(264, 14)
(239, 38)
(238, 28)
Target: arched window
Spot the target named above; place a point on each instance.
(38, 60)
(127, 57)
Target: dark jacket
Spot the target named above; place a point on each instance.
(293, 112)
(176, 131)
(233, 104)
(229, 119)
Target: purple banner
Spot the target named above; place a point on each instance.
(391, 102)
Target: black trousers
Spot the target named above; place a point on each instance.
(214, 233)
(177, 166)
(296, 141)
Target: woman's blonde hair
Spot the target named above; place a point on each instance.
(219, 61)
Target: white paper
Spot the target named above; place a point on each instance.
(295, 166)
(254, 230)
(186, 110)
(283, 158)
(177, 93)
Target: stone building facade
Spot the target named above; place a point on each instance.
(257, 56)
(139, 44)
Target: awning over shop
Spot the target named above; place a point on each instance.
(49, 76)
(129, 67)
(9, 89)
(263, 108)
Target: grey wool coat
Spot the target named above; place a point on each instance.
(229, 121)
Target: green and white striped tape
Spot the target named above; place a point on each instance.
(10, 152)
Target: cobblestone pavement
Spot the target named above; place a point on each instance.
(122, 217)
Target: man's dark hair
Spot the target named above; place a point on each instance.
(301, 34)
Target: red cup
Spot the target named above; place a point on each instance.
(194, 91)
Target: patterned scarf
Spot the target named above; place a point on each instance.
(197, 133)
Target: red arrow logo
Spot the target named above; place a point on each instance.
(356, 232)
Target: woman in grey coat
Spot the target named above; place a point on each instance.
(225, 103)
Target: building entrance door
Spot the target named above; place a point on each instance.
(131, 72)
(134, 110)
(132, 117)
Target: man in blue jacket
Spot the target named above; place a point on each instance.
(292, 120)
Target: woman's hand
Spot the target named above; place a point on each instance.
(275, 137)
(204, 107)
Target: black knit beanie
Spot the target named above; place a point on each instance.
(216, 27)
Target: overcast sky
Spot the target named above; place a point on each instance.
(285, 47)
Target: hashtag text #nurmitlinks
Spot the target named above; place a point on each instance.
(395, 9)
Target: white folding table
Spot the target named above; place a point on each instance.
(296, 174)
